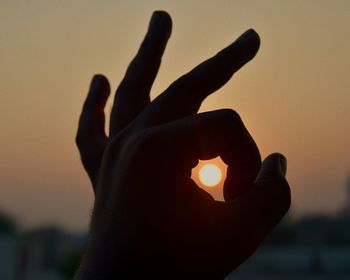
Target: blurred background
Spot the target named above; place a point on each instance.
(293, 97)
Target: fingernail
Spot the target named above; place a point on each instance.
(99, 86)
(155, 20)
(283, 165)
(274, 164)
(247, 44)
(95, 81)
(249, 34)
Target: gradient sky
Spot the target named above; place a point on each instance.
(293, 97)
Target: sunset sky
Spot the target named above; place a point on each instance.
(294, 97)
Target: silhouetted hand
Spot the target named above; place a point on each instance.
(150, 220)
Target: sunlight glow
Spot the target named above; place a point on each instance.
(210, 175)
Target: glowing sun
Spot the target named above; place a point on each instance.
(210, 175)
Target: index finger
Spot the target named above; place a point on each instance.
(208, 135)
(133, 92)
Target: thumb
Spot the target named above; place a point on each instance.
(268, 200)
(251, 216)
(273, 186)
(274, 166)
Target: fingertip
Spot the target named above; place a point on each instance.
(248, 43)
(168, 22)
(254, 35)
(273, 165)
(256, 41)
(249, 34)
(273, 184)
(161, 13)
(99, 89)
(161, 20)
(99, 81)
(283, 164)
(240, 52)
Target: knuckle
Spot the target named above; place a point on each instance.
(139, 144)
(144, 141)
(230, 116)
(231, 120)
(136, 148)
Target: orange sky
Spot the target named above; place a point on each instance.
(293, 97)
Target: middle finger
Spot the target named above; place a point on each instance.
(186, 94)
